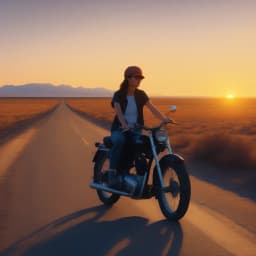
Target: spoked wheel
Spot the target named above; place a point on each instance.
(174, 197)
(100, 168)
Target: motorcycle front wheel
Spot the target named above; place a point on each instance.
(100, 167)
(174, 197)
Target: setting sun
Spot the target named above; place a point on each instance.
(230, 96)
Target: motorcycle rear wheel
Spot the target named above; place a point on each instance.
(100, 167)
(174, 198)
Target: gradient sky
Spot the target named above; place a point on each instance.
(185, 47)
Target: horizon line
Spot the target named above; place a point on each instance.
(111, 90)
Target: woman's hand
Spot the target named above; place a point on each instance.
(125, 127)
(167, 120)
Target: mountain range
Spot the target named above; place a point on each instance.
(50, 90)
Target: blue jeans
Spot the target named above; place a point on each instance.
(119, 139)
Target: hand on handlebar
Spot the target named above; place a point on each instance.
(167, 120)
(125, 128)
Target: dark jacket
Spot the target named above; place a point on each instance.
(141, 99)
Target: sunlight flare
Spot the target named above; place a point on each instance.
(230, 96)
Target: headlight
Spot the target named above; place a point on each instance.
(161, 136)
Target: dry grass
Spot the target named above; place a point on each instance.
(96, 108)
(14, 111)
(217, 131)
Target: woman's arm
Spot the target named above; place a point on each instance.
(120, 115)
(156, 112)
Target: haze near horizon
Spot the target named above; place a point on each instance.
(185, 48)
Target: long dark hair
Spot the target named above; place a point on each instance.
(124, 88)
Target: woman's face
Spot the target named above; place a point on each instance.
(134, 81)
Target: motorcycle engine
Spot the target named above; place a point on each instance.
(132, 183)
(141, 164)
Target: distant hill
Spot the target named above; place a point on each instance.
(49, 90)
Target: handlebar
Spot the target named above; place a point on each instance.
(155, 127)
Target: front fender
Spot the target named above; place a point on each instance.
(98, 154)
(173, 158)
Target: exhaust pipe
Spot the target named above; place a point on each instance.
(107, 189)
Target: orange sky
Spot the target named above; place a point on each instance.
(186, 48)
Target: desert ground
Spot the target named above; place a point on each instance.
(15, 112)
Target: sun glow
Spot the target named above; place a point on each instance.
(230, 96)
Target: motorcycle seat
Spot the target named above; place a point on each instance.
(107, 141)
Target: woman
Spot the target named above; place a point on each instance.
(128, 103)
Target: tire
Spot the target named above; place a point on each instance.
(174, 200)
(101, 165)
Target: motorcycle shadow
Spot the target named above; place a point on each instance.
(85, 233)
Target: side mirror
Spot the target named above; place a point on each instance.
(173, 108)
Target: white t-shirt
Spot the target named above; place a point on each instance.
(131, 113)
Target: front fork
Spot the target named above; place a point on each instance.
(156, 157)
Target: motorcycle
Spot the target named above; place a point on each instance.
(170, 183)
